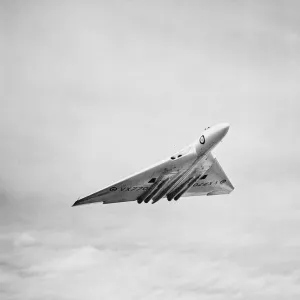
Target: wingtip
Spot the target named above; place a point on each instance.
(77, 202)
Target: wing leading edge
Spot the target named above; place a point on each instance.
(132, 187)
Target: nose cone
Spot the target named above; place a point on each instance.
(223, 128)
(219, 131)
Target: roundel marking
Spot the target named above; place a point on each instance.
(223, 181)
(202, 139)
(112, 189)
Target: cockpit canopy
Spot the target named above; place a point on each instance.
(181, 153)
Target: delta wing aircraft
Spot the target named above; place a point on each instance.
(193, 171)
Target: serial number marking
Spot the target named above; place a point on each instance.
(133, 188)
(206, 183)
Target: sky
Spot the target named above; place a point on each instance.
(92, 91)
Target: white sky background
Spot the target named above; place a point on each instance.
(94, 91)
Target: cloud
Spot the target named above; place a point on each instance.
(25, 240)
(75, 261)
(154, 272)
